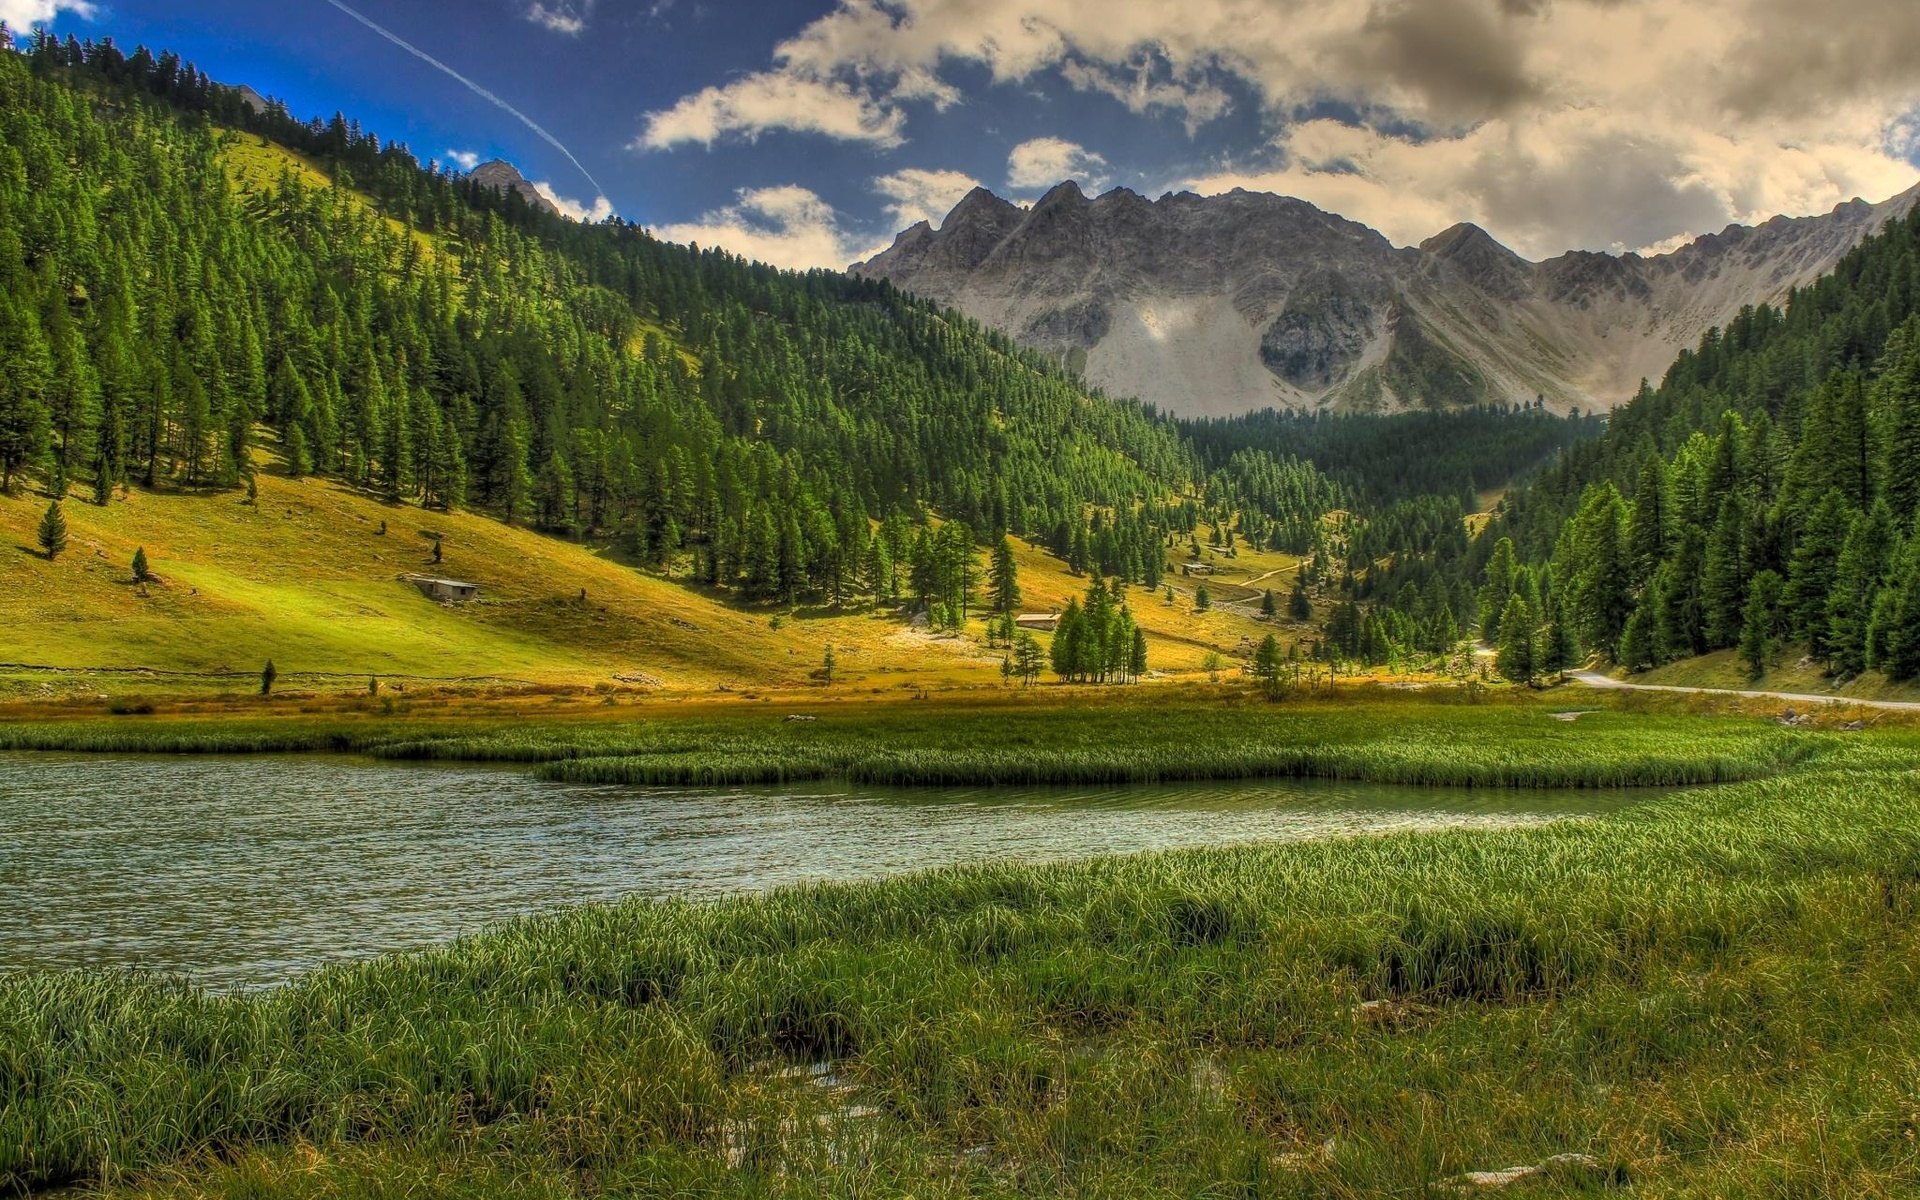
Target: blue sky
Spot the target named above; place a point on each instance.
(807, 132)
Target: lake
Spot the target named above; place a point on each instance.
(243, 871)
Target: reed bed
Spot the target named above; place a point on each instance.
(1711, 994)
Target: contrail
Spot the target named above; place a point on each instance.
(473, 87)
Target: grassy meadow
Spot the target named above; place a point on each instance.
(1708, 995)
(1793, 671)
(306, 577)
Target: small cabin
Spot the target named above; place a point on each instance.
(446, 589)
(1043, 622)
(1196, 568)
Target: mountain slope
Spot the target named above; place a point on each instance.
(1209, 306)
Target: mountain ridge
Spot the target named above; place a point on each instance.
(1216, 305)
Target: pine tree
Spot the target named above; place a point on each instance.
(1900, 442)
(827, 665)
(141, 572)
(1267, 666)
(1269, 608)
(1298, 605)
(267, 675)
(52, 533)
(1649, 533)
(1137, 657)
(1497, 590)
(1759, 638)
(1723, 587)
(1516, 660)
(1027, 658)
(1202, 598)
(1898, 619)
(1636, 651)
(1003, 579)
(1811, 575)
(1858, 578)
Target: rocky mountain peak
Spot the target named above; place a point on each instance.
(1213, 305)
(503, 176)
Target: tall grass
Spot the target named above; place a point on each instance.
(1404, 740)
(1711, 994)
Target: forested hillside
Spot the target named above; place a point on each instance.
(1765, 494)
(181, 272)
(1383, 460)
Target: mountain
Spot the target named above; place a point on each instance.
(1216, 305)
(503, 176)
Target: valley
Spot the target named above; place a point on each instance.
(1108, 698)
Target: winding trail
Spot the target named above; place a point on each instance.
(1595, 679)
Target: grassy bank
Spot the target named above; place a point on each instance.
(1712, 995)
(1444, 739)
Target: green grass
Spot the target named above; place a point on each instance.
(1711, 995)
(1514, 742)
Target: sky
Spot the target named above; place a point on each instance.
(807, 132)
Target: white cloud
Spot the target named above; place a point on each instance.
(599, 210)
(562, 17)
(1197, 99)
(1555, 123)
(773, 100)
(786, 226)
(22, 15)
(914, 195)
(1043, 162)
(466, 160)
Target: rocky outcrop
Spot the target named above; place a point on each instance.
(505, 177)
(1224, 304)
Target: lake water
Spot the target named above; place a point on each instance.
(244, 871)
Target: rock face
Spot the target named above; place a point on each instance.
(504, 176)
(1227, 304)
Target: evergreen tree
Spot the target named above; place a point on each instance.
(267, 675)
(1759, 636)
(1636, 651)
(1812, 572)
(1299, 607)
(1497, 590)
(1900, 439)
(1897, 619)
(52, 533)
(1859, 576)
(1202, 598)
(1027, 658)
(1515, 660)
(141, 572)
(1003, 579)
(1269, 608)
(1723, 587)
(1137, 655)
(1267, 666)
(1649, 536)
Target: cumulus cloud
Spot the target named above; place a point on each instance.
(773, 100)
(466, 160)
(560, 17)
(1555, 123)
(787, 226)
(22, 15)
(914, 195)
(1043, 162)
(599, 210)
